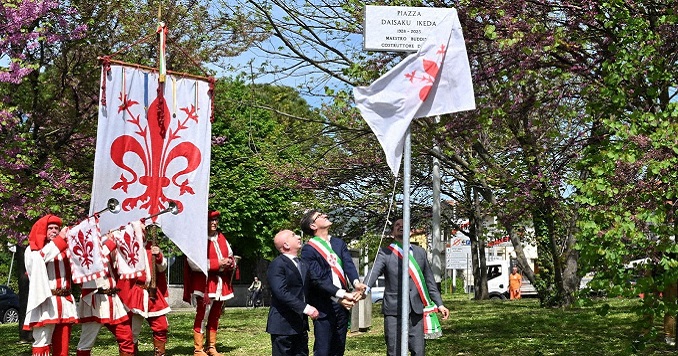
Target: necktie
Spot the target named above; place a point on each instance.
(297, 260)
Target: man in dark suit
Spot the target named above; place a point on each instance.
(333, 274)
(389, 263)
(289, 281)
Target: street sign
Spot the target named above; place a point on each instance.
(458, 257)
(399, 28)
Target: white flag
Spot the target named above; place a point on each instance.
(434, 81)
(144, 169)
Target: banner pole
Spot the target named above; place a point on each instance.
(405, 277)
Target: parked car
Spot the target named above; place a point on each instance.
(9, 305)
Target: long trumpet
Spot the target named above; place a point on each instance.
(112, 205)
(171, 208)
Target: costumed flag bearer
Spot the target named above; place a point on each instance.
(51, 309)
(147, 301)
(100, 306)
(209, 293)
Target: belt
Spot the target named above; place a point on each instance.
(61, 292)
(141, 284)
(108, 291)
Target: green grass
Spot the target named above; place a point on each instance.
(474, 328)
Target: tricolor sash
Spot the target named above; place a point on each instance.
(432, 329)
(335, 262)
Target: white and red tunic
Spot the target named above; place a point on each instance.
(50, 300)
(134, 292)
(100, 302)
(217, 285)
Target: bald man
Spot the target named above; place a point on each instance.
(289, 280)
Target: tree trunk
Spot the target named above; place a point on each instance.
(478, 251)
(523, 263)
(571, 279)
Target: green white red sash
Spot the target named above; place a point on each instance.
(432, 329)
(335, 262)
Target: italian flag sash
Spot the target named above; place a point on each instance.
(337, 265)
(432, 329)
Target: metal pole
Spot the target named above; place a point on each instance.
(11, 263)
(169, 264)
(436, 242)
(405, 278)
(366, 260)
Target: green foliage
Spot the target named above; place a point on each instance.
(628, 195)
(254, 150)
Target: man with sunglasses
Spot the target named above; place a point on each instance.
(334, 274)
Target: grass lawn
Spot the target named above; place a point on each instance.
(474, 328)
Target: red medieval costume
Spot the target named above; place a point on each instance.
(101, 305)
(136, 296)
(51, 309)
(217, 286)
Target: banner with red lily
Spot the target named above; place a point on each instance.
(153, 147)
(84, 244)
(131, 256)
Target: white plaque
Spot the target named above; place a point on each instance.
(400, 28)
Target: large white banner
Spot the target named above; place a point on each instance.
(151, 151)
(434, 81)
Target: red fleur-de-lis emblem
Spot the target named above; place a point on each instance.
(129, 249)
(157, 152)
(84, 248)
(430, 73)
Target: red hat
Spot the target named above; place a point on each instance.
(214, 214)
(38, 235)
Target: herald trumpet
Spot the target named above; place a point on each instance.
(112, 205)
(171, 208)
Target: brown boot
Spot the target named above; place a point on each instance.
(212, 344)
(159, 347)
(136, 349)
(123, 353)
(197, 343)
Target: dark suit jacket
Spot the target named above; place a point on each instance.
(321, 274)
(390, 265)
(286, 314)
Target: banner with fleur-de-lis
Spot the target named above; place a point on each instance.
(131, 254)
(153, 148)
(84, 245)
(434, 81)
